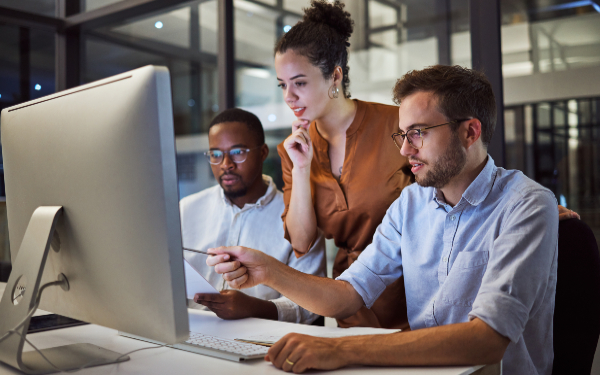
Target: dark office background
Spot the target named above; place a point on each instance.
(542, 56)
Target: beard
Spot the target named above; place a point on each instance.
(231, 192)
(446, 166)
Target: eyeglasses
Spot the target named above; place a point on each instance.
(415, 136)
(237, 155)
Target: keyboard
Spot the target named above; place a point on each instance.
(214, 346)
(221, 348)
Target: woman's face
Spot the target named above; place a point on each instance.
(305, 90)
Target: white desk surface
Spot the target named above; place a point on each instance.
(173, 361)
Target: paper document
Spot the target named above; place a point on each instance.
(194, 282)
(270, 338)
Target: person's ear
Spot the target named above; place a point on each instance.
(264, 152)
(472, 132)
(338, 76)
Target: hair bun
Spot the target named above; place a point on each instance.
(331, 14)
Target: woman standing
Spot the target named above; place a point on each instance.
(340, 168)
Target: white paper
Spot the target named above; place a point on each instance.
(195, 283)
(326, 332)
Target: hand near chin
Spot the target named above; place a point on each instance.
(298, 145)
(240, 266)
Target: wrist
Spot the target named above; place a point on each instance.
(301, 172)
(265, 310)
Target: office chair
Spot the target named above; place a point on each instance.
(577, 305)
(5, 268)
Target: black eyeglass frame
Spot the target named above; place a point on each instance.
(247, 150)
(418, 131)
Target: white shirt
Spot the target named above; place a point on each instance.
(209, 219)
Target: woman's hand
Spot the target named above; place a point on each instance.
(564, 213)
(298, 145)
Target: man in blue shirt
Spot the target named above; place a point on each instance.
(477, 246)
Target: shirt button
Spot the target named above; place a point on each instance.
(445, 260)
(453, 217)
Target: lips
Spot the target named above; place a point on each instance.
(229, 179)
(416, 165)
(298, 111)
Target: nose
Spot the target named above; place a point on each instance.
(227, 163)
(407, 149)
(289, 95)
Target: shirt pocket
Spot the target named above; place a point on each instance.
(455, 298)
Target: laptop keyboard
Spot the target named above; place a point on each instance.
(231, 346)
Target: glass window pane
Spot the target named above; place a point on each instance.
(181, 39)
(95, 4)
(551, 59)
(43, 7)
(170, 28)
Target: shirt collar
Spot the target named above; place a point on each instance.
(482, 185)
(262, 201)
(478, 190)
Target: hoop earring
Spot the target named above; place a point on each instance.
(334, 92)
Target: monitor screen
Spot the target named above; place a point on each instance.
(105, 152)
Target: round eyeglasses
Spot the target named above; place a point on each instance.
(415, 136)
(237, 155)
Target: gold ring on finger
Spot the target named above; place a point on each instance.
(287, 360)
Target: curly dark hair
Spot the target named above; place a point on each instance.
(461, 93)
(322, 36)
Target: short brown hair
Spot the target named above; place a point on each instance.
(461, 93)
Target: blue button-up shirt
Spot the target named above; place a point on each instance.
(492, 256)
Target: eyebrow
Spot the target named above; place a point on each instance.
(413, 126)
(294, 77)
(241, 145)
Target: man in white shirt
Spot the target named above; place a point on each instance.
(243, 210)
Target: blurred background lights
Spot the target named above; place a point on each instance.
(158, 25)
(38, 87)
(191, 102)
(286, 28)
(272, 117)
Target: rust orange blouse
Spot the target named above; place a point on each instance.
(373, 175)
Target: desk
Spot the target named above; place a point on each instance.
(173, 361)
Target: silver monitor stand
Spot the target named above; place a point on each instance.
(20, 297)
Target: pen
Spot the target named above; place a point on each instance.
(198, 251)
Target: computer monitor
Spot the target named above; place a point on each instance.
(91, 194)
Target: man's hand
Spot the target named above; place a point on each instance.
(233, 304)
(240, 266)
(564, 213)
(298, 353)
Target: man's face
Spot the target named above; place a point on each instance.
(235, 178)
(442, 156)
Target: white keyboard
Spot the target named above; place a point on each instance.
(222, 348)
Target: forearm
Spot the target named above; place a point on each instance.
(320, 295)
(263, 309)
(301, 221)
(472, 343)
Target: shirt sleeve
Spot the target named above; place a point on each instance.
(286, 170)
(312, 263)
(522, 265)
(380, 264)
